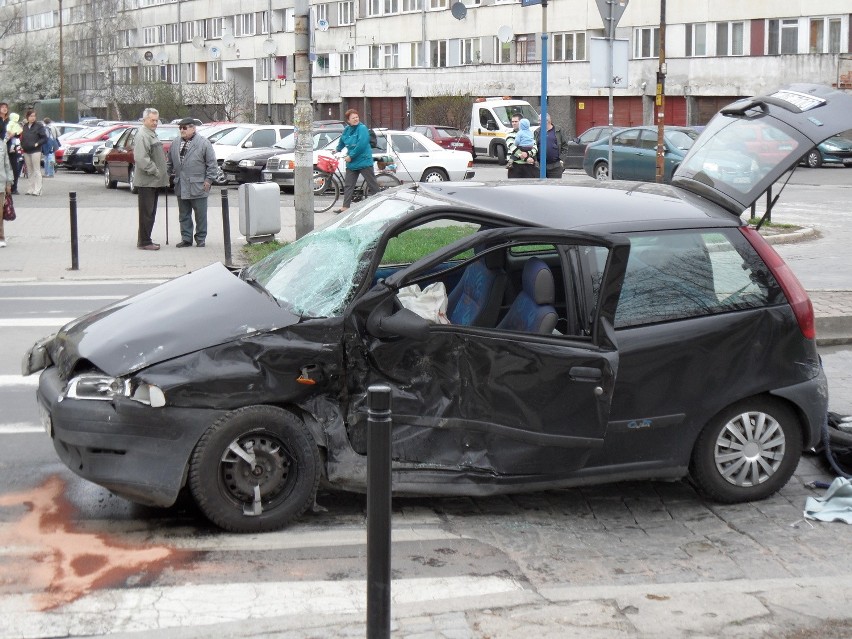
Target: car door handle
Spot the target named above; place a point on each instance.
(585, 374)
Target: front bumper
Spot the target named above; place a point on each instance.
(242, 174)
(137, 452)
(281, 178)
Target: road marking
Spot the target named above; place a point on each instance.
(12, 322)
(110, 282)
(20, 429)
(194, 605)
(18, 380)
(57, 298)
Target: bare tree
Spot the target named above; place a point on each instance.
(220, 101)
(449, 109)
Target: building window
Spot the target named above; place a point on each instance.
(320, 13)
(174, 32)
(321, 66)
(374, 8)
(215, 29)
(502, 51)
(347, 61)
(824, 35)
(264, 22)
(244, 24)
(437, 5)
(191, 75)
(265, 64)
(469, 51)
(569, 46)
(729, 38)
(391, 6)
(438, 53)
(390, 53)
(375, 56)
(782, 36)
(173, 73)
(154, 35)
(646, 42)
(200, 28)
(216, 71)
(525, 48)
(412, 5)
(416, 57)
(346, 12)
(696, 40)
(188, 29)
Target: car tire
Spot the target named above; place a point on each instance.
(601, 171)
(108, 181)
(256, 452)
(131, 179)
(500, 152)
(814, 159)
(748, 451)
(434, 175)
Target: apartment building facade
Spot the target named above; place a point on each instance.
(382, 56)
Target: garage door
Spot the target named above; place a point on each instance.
(594, 111)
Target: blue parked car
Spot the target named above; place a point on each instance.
(835, 150)
(634, 153)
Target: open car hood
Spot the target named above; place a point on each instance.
(751, 143)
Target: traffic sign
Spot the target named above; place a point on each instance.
(611, 12)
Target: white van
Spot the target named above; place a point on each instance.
(491, 122)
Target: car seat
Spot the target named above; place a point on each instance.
(532, 311)
(476, 299)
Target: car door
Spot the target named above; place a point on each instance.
(644, 157)
(624, 149)
(485, 399)
(412, 158)
(121, 155)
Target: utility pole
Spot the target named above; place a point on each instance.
(304, 119)
(661, 97)
(61, 70)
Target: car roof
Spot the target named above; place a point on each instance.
(610, 207)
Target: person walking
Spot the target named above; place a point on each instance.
(522, 151)
(557, 149)
(8, 178)
(33, 138)
(4, 119)
(359, 158)
(192, 161)
(13, 148)
(151, 176)
(49, 149)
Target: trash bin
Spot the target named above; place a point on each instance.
(260, 211)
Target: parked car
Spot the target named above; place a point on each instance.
(58, 129)
(577, 146)
(446, 136)
(245, 136)
(593, 333)
(119, 163)
(281, 167)
(79, 153)
(249, 164)
(835, 150)
(634, 153)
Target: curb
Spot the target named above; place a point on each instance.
(789, 238)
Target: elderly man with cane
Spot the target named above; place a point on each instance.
(192, 161)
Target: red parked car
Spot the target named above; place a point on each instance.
(86, 145)
(119, 164)
(446, 136)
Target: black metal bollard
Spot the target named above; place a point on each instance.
(226, 226)
(379, 512)
(75, 254)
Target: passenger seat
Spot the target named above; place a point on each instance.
(532, 311)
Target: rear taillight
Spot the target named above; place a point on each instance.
(796, 294)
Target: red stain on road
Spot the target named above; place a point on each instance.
(60, 564)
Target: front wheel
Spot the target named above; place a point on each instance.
(814, 159)
(434, 175)
(255, 470)
(326, 191)
(601, 171)
(748, 452)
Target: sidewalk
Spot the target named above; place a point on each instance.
(39, 248)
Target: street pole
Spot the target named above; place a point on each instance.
(303, 190)
(542, 130)
(661, 97)
(610, 34)
(61, 70)
(269, 70)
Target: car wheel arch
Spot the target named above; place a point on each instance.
(434, 174)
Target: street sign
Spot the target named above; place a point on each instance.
(611, 12)
(604, 75)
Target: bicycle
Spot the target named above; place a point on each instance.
(329, 180)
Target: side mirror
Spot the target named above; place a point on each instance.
(403, 323)
(109, 144)
(248, 144)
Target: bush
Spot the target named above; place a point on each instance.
(451, 110)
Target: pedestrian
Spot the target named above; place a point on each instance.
(13, 148)
(49, 149)
(192, 162)
(151, 176)
(33, 138)
(557, 148)
(359, 158)
(8, 177)
(522, 150)
(4, 119)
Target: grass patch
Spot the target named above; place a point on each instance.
(414, 244)
(256, 252)
(773, 225)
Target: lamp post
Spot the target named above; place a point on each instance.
(61, 70)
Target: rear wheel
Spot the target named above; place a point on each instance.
(500, 152)
(326, 191)
(434, 175)
(747, 452)
(256, 469)
(131, 179)
(814, 159)
(601, 171)
(108, 181)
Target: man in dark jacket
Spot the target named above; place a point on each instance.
(192, 161)
(557, 150)
(33, 138)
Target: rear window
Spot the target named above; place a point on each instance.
(677, 275)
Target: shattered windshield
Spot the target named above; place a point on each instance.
(317, 275)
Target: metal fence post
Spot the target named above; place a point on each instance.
(379, 512)
(75, 254)
(226, 226)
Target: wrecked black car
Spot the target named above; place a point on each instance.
(582, 334)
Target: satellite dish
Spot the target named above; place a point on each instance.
(215, 52)
(269, 46)
(148, 56)
(505, 33)
(458, 10)
(322, 25)
(162, 57)
(198, 42)
(228, 40)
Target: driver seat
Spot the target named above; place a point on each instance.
(532, 311)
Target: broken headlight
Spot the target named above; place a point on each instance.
(105, 388)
